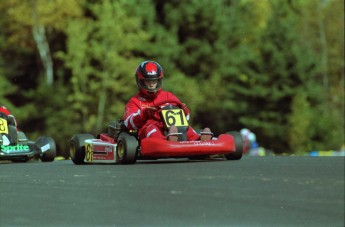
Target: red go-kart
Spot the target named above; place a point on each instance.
(120, 145)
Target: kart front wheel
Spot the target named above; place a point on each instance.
(127, 148)
(49, 145)
(77, 147)
(237, 155)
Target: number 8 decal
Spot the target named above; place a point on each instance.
(89, 153)
(3, 126)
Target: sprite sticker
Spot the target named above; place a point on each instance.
(17, 147)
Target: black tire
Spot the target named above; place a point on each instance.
(127, 148)
(49, 155)
(237, 155)
(77, 147)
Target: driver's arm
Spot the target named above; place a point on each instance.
(132, 118)
(135, 116)
(184, 107)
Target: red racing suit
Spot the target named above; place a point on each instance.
(5, 111)
(153, 127)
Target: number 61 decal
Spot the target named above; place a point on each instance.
(174, 117)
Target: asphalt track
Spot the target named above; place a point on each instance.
(254, 191)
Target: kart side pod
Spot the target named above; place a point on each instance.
(152, 147)
(85, 148)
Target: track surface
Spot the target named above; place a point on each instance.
(254, 191)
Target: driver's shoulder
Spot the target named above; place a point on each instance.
(167, 94)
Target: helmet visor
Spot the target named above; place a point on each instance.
(151, 84)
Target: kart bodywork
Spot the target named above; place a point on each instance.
(119, 145)
(15, 146)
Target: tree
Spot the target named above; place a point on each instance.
(322, 25)
(283, 67)
(299, 121)
(101, 60)
(36, 16)
(211, 41)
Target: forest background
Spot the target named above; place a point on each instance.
(275, 67)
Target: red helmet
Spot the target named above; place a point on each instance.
(4, 110)
(146, 71)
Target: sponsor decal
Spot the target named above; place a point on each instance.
(108, 149)
(45, 148)
(142, 98)
(198, 143)
(17, 147)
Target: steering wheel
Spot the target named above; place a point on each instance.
(171, 101)
(171, 104)
(173, 118)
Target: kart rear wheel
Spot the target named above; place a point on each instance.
(77, 147)
(237, 155)
(127, 146)
(48, 155)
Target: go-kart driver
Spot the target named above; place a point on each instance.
(7, 113)
(141, 113)
(4, 110)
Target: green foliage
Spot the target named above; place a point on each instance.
(60, 123)
(100, 59)
(299, 124)
(328, 128)
(6, 89)
(282, 67)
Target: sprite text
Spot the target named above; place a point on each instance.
(17, 147)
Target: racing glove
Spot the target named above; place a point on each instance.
(147, 113)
